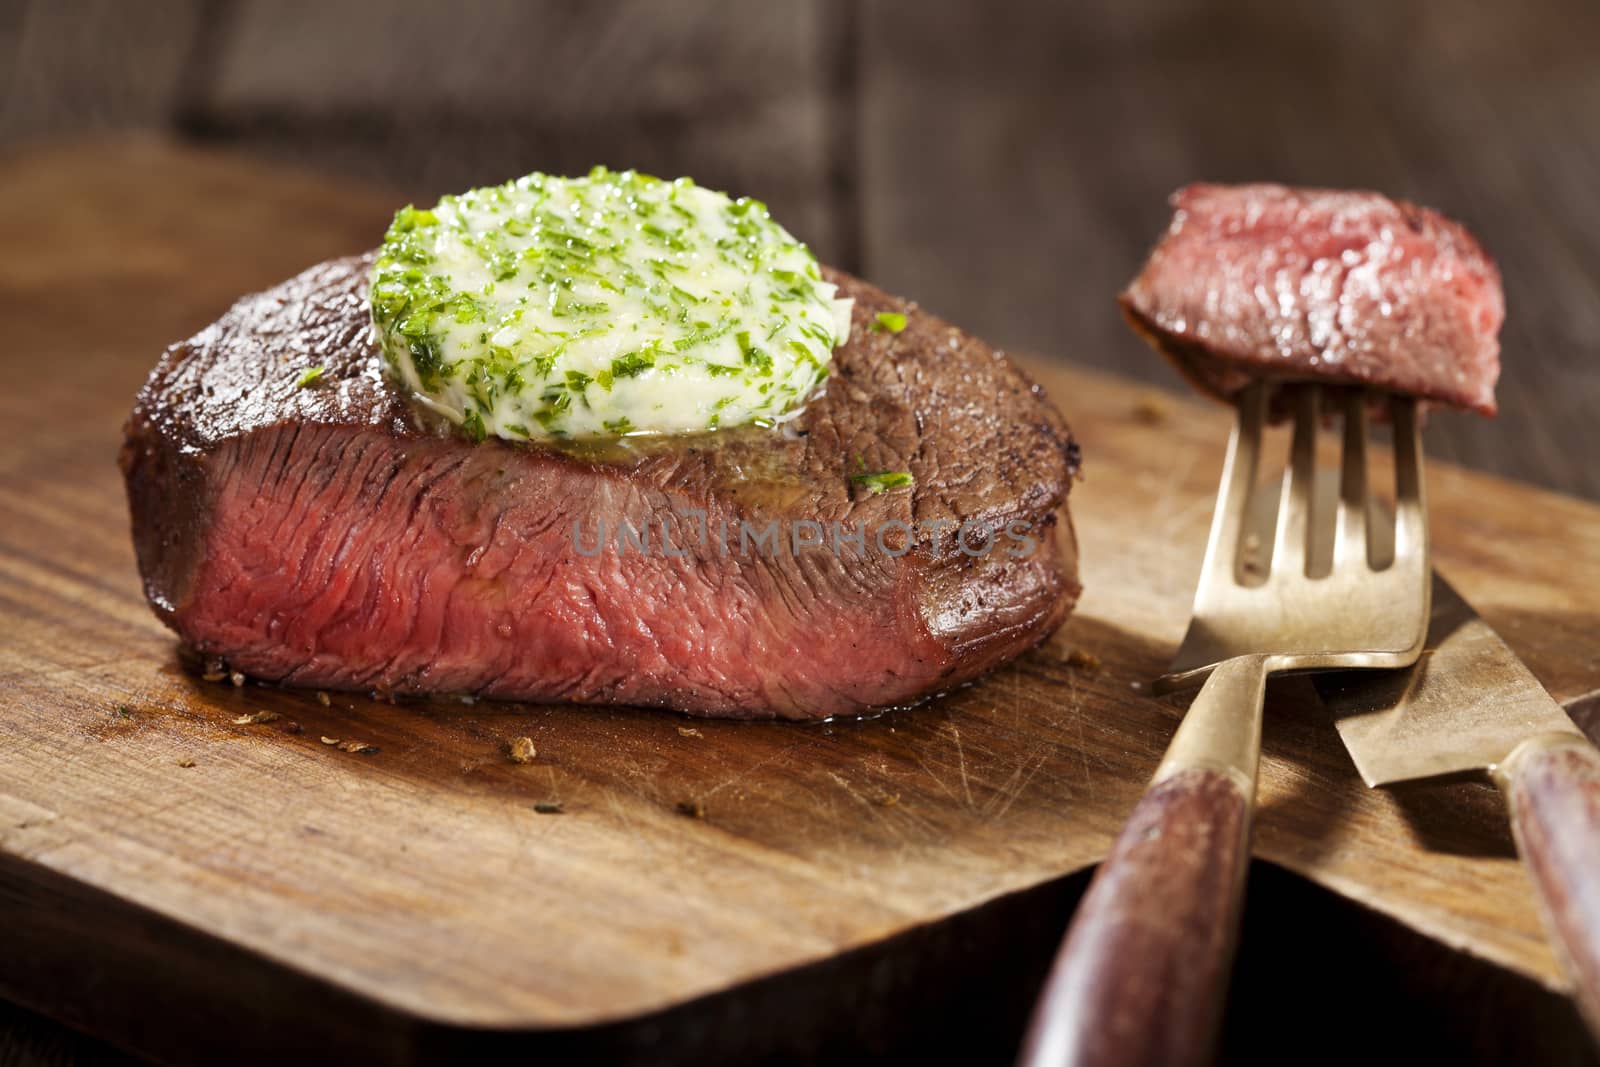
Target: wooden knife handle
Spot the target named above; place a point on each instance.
(1552, 785)
(1143, 972)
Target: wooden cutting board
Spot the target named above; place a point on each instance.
(284, 892)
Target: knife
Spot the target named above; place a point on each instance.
(1470, 704)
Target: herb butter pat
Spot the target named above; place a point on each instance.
(606, 305)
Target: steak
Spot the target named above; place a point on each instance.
(1265, 281)
(337, 535)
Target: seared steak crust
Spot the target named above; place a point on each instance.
(339, 536)
(1266, 281)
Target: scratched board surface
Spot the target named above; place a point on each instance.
(637, 860)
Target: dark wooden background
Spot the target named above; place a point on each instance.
(1006, 164)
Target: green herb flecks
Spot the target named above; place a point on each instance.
(888, 322)
(876, 482)
(310, 376)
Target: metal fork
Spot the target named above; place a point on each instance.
(1141, 976)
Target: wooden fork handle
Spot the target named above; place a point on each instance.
(1552, 786)
(1141, 977)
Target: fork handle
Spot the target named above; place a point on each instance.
(1552, 786)
(1141, 976)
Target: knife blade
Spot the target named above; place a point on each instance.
(1469, 703)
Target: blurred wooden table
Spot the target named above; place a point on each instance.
(1005, 165)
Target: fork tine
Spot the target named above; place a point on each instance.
(1411, 513)
(1351, 545)
(1222, 562)
(1294, 511)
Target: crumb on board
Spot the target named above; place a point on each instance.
(1150, 410)
(521, 750)
(886, 800)
(549, 807)
(257, 717)
(330, 740)
(292, 727)
(1083, 660)
(692, 809)
(323, 699)
(689, 731)
(186, 761)
(237, 678)
(360, 748)
(213, 674)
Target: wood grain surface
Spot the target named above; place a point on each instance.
(640, 860)
(1008, 165)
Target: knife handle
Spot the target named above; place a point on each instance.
(1552, 786)
(1144, 969)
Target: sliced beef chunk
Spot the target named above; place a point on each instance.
(1266, 281)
